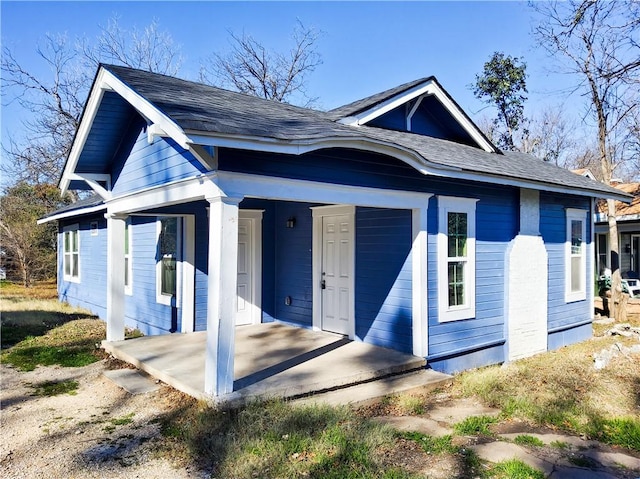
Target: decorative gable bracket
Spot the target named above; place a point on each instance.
(94, 180)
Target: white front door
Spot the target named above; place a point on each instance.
(249, 267)
(337, 274)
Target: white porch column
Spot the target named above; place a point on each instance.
(419, 282)
(222, 295)
(115, 276)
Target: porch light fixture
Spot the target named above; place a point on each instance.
(627, 248)
(291, 222)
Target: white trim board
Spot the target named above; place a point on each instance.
(429, 87)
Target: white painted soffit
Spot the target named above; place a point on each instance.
(430, 87)
(107, 81)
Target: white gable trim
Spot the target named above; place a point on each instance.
(91, 108)
(160, 124)
(160, 121)
(430, 87)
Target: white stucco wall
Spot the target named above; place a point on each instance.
(526, 288)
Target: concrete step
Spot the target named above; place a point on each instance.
(423, 380)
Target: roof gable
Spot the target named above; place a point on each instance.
(421, 107)
(201, 118)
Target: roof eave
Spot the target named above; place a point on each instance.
(72, 213)
(407, 155)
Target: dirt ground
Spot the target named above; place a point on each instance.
(101, 431)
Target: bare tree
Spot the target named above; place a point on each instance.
(550, 137)
(598, 41)
(149, 49)
(249, 67)
(56, 102)
(35, 160)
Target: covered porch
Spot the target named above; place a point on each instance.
(218, 375)
(270, 360)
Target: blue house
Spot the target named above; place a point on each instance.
(392, 220)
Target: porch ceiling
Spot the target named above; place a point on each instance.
(271, 359)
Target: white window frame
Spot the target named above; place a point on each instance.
(161, 298)
(573, 214)
(446, 205)
(128, 231)
(67, 256)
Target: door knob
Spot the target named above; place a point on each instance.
(323, 284)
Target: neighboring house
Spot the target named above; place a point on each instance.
(628, 220)
(392, 220)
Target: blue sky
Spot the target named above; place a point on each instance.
(366, 46)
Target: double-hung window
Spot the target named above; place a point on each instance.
(456, 258)
(576, 256)
(71, 253)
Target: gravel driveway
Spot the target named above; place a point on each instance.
(101, 431)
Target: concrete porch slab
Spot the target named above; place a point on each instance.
(271, 360)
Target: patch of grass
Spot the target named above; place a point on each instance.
(562, 389)
(71, 345)
(559, 445)
(277, 439)
(527, 440)
(40, 290)
(55, 388)
(475, 425)
(624, 432)
(121, 421)
(431, 444)
(513, 469)
(413, 405)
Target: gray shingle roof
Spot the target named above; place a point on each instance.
(363, 104)
(209, 110)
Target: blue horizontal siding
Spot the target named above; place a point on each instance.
(383, 278)
(383, 242)
(142, 310)
(140, 165)
(553, 228)
(90, 293)
(293, 263)
(496, 225)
